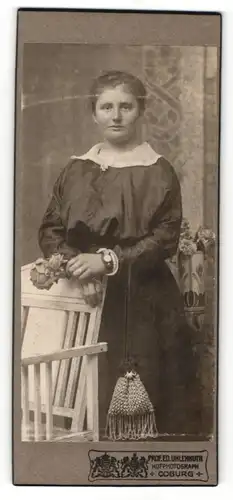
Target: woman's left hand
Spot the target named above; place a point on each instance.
(85, 266)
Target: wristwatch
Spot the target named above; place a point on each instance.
(106, 258)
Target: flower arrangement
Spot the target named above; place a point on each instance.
(45, 272)
(190, 243)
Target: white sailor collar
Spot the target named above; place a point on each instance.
(143, 154)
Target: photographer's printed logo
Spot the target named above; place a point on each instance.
(168, 466)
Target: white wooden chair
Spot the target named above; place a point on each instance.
(59, 362)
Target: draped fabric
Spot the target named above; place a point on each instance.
(136, 211)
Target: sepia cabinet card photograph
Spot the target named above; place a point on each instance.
(116, 248)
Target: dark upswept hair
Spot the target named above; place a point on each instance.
(112, 79)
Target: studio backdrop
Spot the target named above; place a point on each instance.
(181, 124)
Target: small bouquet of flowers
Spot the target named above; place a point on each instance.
(46, 272)
(204, 239)
(190, 243)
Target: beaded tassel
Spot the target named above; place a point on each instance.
(131, 415)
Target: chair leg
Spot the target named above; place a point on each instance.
(37, 408)
(92, 395)
(25, 403)
(48, 402)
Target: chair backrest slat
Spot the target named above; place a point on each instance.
(25, 311)
(56, 364)
(75, 366)
(29, 300)
(64, 364)
(80, 401)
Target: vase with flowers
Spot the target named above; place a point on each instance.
(193, 250)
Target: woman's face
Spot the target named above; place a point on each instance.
(116, 114)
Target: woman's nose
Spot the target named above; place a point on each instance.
(116, 114)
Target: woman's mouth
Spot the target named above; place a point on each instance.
(116, 127)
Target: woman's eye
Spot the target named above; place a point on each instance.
(107, 106)
(126, 106)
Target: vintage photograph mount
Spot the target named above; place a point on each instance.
(116, 248)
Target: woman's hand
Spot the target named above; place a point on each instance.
(86, 266)
(92, 292)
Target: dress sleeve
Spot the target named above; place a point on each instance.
(52, 232)
(163, 236)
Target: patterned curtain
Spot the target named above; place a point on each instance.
(174, 117)
(161, 67)
(182, 124)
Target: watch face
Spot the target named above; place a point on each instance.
(107, 258)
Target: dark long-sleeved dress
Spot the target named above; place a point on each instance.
(136, 211)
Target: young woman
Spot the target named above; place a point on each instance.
(115, 207)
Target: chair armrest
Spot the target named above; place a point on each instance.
(73, 352)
